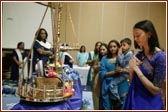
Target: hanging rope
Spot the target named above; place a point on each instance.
(72, 24)
(30, 72)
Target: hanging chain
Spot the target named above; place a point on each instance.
(56, 13)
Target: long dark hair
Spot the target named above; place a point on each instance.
(38, 36)
(20, 43)
(106, 46)
(109, 55)
(80, 50)
(95, 50)
(153, 41)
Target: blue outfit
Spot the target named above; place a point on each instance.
(107, 66)
(37, 56)
(123, 62)
(92, 56)
(82, 58)
(65, 58)
(154, 69)
(15, 67)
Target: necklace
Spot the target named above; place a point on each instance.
(113, 60)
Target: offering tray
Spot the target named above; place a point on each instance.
(46, 90)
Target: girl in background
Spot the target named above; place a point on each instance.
(103, 50)
(42, 50)
(93, 55)
(18, 56)
(107, 71)
(82, 56)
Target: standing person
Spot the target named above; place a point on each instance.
(41, 50)
(93, 55)
(147, 70)
(103, 50)
(122, 68)
(18, 55)
(82, 56)
(107, 69)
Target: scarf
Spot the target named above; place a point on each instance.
(23, 73)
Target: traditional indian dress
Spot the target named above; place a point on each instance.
(92, 56)
(20, 56)
(82, 58)
(154, 69)
(37, 57)
(96, 86)
(106, 66)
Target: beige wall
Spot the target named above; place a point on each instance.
(88, 22)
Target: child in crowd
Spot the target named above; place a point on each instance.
(122, 68)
